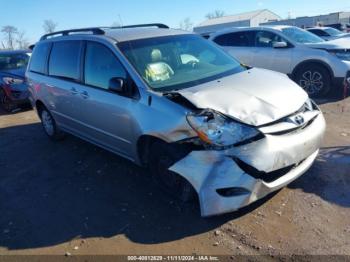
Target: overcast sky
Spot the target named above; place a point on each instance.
(29, 15)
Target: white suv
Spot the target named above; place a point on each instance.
(316, 65)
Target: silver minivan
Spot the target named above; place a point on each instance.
(172, 101)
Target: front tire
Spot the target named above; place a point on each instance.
(314, 79)
(163, 156)
(49, 125)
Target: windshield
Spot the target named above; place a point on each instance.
(177, 62)
(13, 61)
(333, 31)
(301, 36)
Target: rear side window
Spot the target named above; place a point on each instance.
(101, 65)
(319, 32)
(236, 39)
(39, 56)
(64, 59)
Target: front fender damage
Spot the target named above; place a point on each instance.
(209, 171)
(268, 165)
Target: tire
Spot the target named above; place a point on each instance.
(6, 103)
(314, 79)
(49, 125)
(162, 156)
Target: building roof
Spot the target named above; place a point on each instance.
(233, 18)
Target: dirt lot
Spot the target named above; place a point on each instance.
(74, 197)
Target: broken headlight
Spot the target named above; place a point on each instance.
(218, 130)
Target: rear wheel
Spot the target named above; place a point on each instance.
(5, 102)
(163, 156)
(314, 79)
(49, 125)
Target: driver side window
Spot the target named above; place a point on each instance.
(267, 39)
(101, 65)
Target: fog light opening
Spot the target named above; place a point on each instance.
(232, 191)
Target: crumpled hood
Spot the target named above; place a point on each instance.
(341, 43)
(255, 97)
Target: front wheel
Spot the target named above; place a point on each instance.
(163, 156)
(314, 79)
(49, 125)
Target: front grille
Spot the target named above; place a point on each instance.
(294, 130)
(274, 128)
(305, 108)
(266, 177)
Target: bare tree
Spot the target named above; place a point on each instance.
(49, 26)
(10, 32)
(186, 24)
(22, 41)
(215, 14)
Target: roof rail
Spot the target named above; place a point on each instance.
(93, 30)
(99, 30)
(159, 25)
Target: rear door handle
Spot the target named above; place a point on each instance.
(73, 91)
(84, 94)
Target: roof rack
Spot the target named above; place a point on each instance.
(99, 30)
(93, 30)
(159, 25)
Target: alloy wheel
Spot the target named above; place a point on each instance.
(312, 82)
(47, 122)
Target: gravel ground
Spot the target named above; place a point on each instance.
(74, 198)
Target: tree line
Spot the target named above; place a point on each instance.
(13, 38)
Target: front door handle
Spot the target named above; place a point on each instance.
(73, 91)
(84, 94)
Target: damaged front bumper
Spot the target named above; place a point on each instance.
(231, 179)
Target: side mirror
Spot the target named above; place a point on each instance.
(116, 84)
(280, 45)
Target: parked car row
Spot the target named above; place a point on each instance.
(316, 65)
(170, 100)
(343, 27)
(328, 33)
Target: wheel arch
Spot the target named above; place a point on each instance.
(39, 105)
(313, 62)
(143, 147)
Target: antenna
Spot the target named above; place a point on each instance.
(120, 20)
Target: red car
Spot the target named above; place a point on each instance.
(13, 87)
